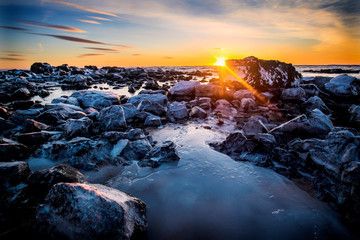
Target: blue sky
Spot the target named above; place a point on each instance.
(169, 32)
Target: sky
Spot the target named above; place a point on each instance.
(177, 32)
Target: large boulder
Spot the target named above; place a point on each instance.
(55, 115)
(184, 90)
(151, 107)
(90, 211)
(34, 139)
(78, 127)
(112, 118)
(343, 86)
(96, 99)
(209, 90)
(136, 150)
(130, 111)
(12, 151)
(22, 93)
(315, 102)
(13, 173)
(177, 111)
(263, 74)
(40, 68)
(293, 94)
(158, 98)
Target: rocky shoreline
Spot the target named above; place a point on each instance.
(306, 129)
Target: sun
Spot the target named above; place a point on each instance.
(220, 61)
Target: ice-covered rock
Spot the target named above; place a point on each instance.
(158, 98)
(162, 152)
(96, 99)
(264, 74)
(343, 86)
(354, 112)
(293, 94)
(184, 90)
(130, 111)
(112, 118)
(198, 112)
(90, 211)
(315, 102)
(78, 127)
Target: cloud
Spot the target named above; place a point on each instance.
(90, 55)
(100, 18)
(81, 7)
(103, 49)
(166, 57)
(88, 21)
(15, 55)
(71, 39)
(136, 54)
(12, 59)
(14, 28)
(57, 27)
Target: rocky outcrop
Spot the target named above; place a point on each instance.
(264, 74)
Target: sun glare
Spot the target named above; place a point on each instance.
(220, 61)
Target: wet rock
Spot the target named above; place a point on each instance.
(78, 127)
(135, 134)
(315, 102)
(354, 112)
(164, 152)
(96, 99)
(198, 112)
(56, 115)
(293, 94)
(77, 82)
(30, 125)
(3, 113)
(255, 125)
(224, 109)
(112, 118)
(62, 105)
(130, 112)
(21, 94)
(136, 150)
(209, 90)
(12, 151)
(247, 104)
(22, 104)
(40, 68)
(59, 100)
(264, 74)
(177, 111)
(90, 211)
(114, 136)
(13, 173)
(240, 94)
(343, 86)
(151, 107)
(184, 90)
(157, 98)
(34, 139)
(72, 101)
(152, 121)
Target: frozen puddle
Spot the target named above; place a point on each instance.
(207, 195)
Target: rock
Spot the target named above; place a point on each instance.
(247, 104)
(56, 115)
(184, 90)
(43, 180)
(78, 127)
(255, 125)
(224, 109)
(209, 90)
(130, 112)
(135, 134)
(62, 105)
(233, 144)
(12, 151)
(177, 111)
(264, 74)
(165, 152)
(59, 100)
(198, 112)
(22, 94)
(151, 107)
(136, 150)
(72, 101)
(343, 86)
(77, 81)
(113, 136)
(34, 139)
(354, 112)
(96, 99)
(319, 123)
(152, 121)
(13, 173)
(4, 113)
(40, 68)
(90, 211)
(112, 118)
(240, 94)
(30, 125)
(267, 142)
(205, 103)
(315, 102)
(158, 98)
(293, 94)
(22, 104)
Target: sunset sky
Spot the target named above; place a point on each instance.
(175, 32)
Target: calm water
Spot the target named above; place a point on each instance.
(207, 195)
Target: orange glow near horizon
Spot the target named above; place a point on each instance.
(220, 61)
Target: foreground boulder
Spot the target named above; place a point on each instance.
(112, 118)
(96, 99)
(264, 74)
(90, 211)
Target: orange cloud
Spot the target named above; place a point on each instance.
(81, 7)
(101, 18)
(88, 21)
(90, 55)
(57, 27)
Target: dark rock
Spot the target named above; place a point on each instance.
(315, 102)
(21, 94)
(77, 82)
(40, 68)
(293, 94)
(55, 115)
(12, 151)
(13, 173)
(22, 104)
(240, 94)
(136, 150)
(209, 90)
(165, 152)
(343, 86)
(177, 111)
(31, 125)
(4, 113)
(34, 139)
(96, 99)
(184, 90)
(255, 125)
(90, 211)
(247, 104)
(78, 127)
(354, 112)
(130, 112)
(158, 98)
(151, 107)
(264, 74)
(152, 121)
(112, 118)
(198, 112)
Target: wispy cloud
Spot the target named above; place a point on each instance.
(100, 18)
(103, 49)
(12, 59)
(81, 7)
(90, 55)
(15, 55)
(88, 21)
(57, 27)
(14, 28)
